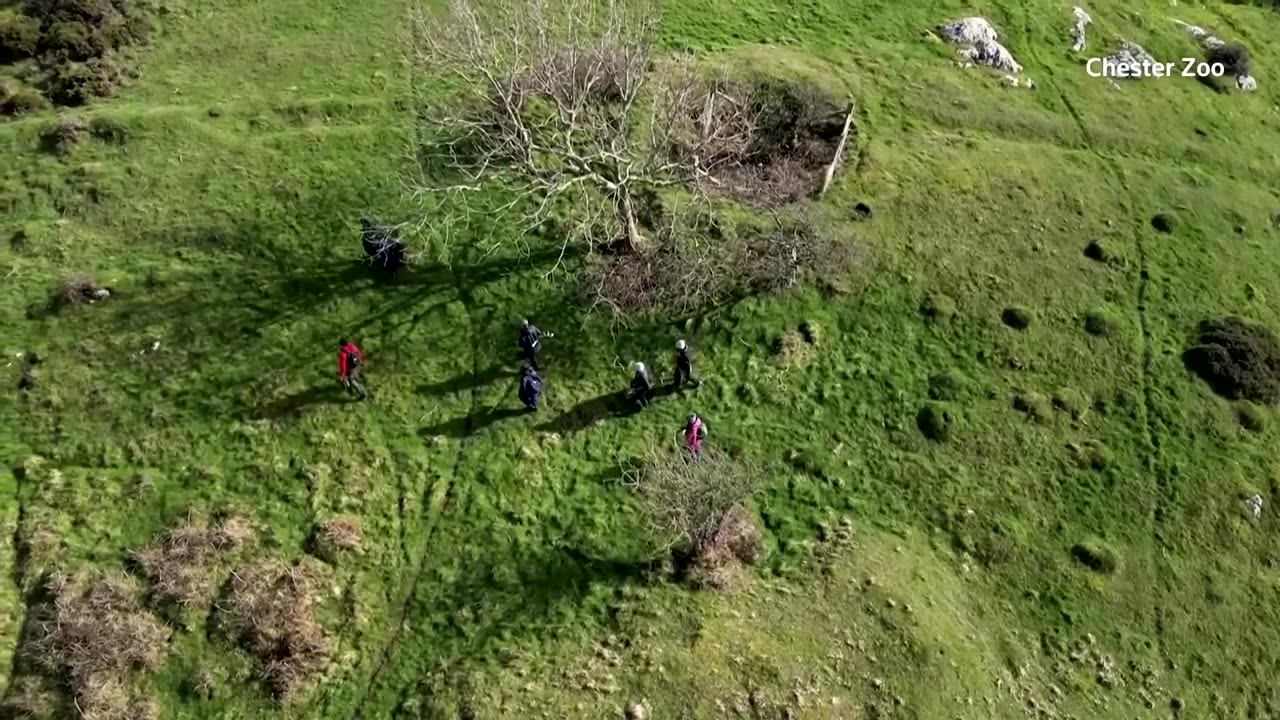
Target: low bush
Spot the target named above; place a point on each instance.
(64, 135)
(20, 100)
(1234, 57)
(1096, 555)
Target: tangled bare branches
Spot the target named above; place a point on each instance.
(95, 635)
(699, 265)
(689, 503)
(178, 565)
(555, 103)
(269, 610)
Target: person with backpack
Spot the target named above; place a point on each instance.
(351, 368)
(530, 387)
(531, 342)
(695, 431)
(684, 366)
(641, 385)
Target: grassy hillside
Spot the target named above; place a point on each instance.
(504, 571)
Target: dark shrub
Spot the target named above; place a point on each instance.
(1164, 222)
(935, 421)
(82, 29)
(74, 84)
(1018, 318)
(1240, 360)
(19, 37)
(1234, 57)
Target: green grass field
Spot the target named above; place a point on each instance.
(504, 570)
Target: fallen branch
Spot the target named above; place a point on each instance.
(835, 160)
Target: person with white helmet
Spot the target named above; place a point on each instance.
(531, 342)
(684, 366)
(641, 385)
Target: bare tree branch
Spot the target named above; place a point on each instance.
(549, 98)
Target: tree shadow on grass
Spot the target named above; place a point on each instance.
(496, 600)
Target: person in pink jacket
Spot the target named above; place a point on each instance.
(695, 431)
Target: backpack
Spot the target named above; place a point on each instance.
(353, 360)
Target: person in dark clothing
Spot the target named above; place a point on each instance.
(684, 366)
(641, 385)
(531, 342)
(351, 368)
(530, 387)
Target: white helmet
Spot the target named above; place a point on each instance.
(680, 345)
(639, 367)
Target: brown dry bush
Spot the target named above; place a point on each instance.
(696, 508)
(268, 610)
(337, 536)
(94, 635)
(696, 265)
(1240, 360)
(797, 131)
(180, 564)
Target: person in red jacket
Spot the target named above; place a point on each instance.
(351, 368)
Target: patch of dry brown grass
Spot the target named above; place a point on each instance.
(337, 536)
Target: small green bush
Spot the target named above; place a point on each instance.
(937, 307)
(19, 38)
(947, 385)
(1096, 555)
(1035, 405)
(1100, 323)
(108, 130)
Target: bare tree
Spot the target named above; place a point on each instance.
(690, 503)
(564, 103)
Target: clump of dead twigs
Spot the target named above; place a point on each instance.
(697, 265)
(180, 564)
(697, 508)
(268, 609)
(94, 636)
(337, 536)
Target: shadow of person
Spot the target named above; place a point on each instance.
(299, 401)
(465, 382)
(589, 412)
(470, 424)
